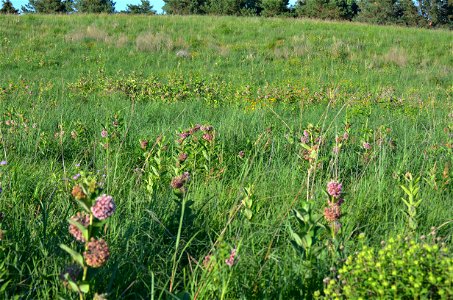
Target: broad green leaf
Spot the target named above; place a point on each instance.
(84, 287)
(75, 255)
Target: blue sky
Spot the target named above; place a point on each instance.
(120, 4)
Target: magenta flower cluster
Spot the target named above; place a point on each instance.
(84, 220)
(104, 207)
(231, 260)
(334, 189)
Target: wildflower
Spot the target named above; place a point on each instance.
(334, 188)
(206, 128)
(184, 135)
(241, 154)
(76, 176)
(182, 157)
(70, 272)
(336, 150)
(179, 181)
(104, 207)
(366, 146)
(332, 213)
(231, 260)
(97, 253)
(84, 220)
(104, 133)
(206, 261)
(304, 139)
(1, 190)
(345, 136)
(77, 192)
(3, 163)
(207, 137)
(144, 144)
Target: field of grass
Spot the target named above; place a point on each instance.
(293, 105)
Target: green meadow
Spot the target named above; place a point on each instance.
(247, 158)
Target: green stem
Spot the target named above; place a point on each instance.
(178, 238)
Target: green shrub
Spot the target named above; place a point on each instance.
(402, 268)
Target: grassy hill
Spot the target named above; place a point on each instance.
(294, 105)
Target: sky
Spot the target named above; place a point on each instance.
(120, 4)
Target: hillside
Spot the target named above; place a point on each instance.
(224, 158)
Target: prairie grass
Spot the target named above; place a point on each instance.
(91, 90)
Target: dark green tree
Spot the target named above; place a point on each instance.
(8, 8)
(144, 8)
(379, 11)
(184, 7)
(409, 14)
(271, 8)
(327, 9)
(95, 6)
(437, 12)
(48, 6)
(233, 7)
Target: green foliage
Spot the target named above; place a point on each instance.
(183, 7)
(48, 6)
(144, 7)
(378, 11)
(327, 9)
(95, 6)
(402, 268)
(8, 8)
(96, 99)
(272, 8)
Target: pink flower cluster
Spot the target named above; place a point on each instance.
(230, 261)
(104, 207)
(97, 253)
(334, 189)
(84, 220)
(179, 181)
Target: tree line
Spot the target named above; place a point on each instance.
(421, 13)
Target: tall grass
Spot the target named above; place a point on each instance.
(260, 84)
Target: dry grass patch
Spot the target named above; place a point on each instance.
(154, 42)
(91, 32)
(396, 56)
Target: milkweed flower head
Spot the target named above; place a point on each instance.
(334, 189)
(366, 146)
(77, 192)
(84, 220)
(104, 207)
(230, 261)
(332, 213)
(97, 253)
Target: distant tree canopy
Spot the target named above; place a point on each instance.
(48, 6)
(144, 7)
(8, 8)
(95, 6)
